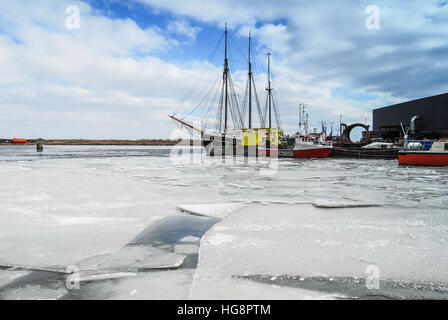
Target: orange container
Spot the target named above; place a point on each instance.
(18, 141)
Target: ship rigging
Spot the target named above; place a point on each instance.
(230, 128)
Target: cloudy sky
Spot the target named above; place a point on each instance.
(131, 63)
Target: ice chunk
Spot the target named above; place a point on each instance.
(240, 289)
(186, 249)
(141, 257)
(13, 267)
(89, 276)
(323, 203)
(171, 284)
(220, 238)
(305, 241)
(189, 239)
(9, 275)
(92, 262)
(34, 292)
(217, 210)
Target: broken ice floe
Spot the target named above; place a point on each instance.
(326, 251)
(168, 244)
(217, 210)
(323, 203)
(354, 287)
(90, 276)
(140, 257)
(53, 269)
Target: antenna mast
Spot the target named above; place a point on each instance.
(250, 88)
(225, 78)
(269, 89)
(303, 119)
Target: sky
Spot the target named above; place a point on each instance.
(127, 65)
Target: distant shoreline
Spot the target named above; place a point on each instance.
(110, 142)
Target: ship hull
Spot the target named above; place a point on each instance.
(219, 145)
(312, 153)
(263, 152)
(423, 159)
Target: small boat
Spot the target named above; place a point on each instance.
(307, 147)
(304, 147)
(415, 155)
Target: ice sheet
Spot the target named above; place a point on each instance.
(72, 203)
(305, 241)
(217, 210)
(140, 257)
(323, 203)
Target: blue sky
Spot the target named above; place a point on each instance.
(131, 63)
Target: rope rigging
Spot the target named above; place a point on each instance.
(223, 96)
(189, 94)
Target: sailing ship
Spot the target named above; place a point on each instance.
(230, 135)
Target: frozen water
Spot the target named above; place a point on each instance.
(140, 257)
(89, 276)
(407, 247)
(80, 204)
(323, 203)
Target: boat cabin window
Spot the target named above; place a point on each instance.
(446, 146)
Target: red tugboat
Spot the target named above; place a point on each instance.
(437, 156)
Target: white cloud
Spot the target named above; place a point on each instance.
(101, 81)
(182, 27)
(108, 80)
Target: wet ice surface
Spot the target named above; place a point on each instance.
(304, 245)
(309, 228)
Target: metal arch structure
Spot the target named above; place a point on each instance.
(346, 135)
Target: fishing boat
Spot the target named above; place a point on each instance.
(415, 154)
(232, 133)
(305, 145)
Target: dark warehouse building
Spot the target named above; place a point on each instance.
(425, 118)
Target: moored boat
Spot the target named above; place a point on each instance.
(437, 156)
(309, 148)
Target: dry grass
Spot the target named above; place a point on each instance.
(142, 142)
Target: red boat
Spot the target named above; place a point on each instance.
(304, 147)
(437, 156)
(272, 152)
(334, 140)
(307, 147)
